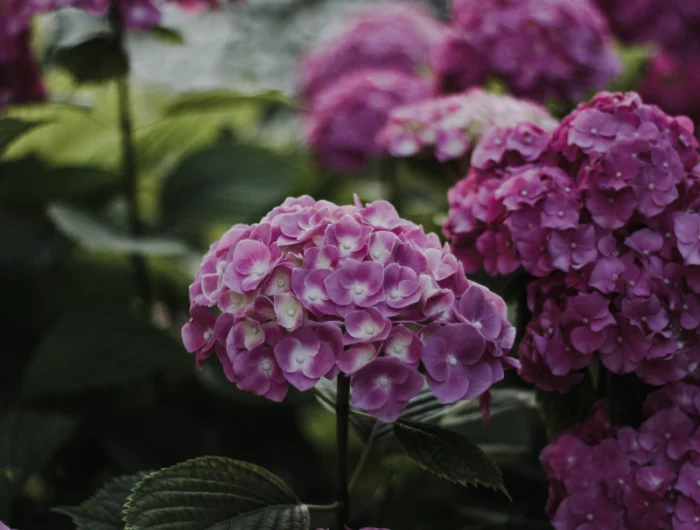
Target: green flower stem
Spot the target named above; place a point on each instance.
(142, 283)
(342, 410)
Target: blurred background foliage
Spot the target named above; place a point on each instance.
(91, 385)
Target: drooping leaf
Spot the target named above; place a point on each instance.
(214, 493)
(167, 35)
(28, 440)
(448, 455)
(95, 60)
(223, 184)
(561, 411)
(103, 511)
(30, 181)
(13, 128)
(95, 347)
(96, 235)
(221, 100)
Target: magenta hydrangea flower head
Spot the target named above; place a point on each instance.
(623, 478)
(344, 119)
(20, 77)
(606, 217)
(673, 24)
(315, 289)
(672, 81)
(387, 36)
(448, 126)
(541, 49)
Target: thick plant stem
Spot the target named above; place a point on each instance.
(142, 283)
(342, 413)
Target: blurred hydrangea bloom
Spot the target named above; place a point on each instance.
(3, 526)
(20, 77)
(315, 289)
(343, 121)
(606, 216)
(672, 81)
(541, 49)
(396, 36)
(624, 478)
(448, 126)
(674, 24)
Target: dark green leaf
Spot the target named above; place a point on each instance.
(95, 235)
(95, 60)
(634, 60)
(561, 411)
(103, 511)
(97, 347)
(30, 181)
(224, 184)
(167, 35)
(214, 493)
(448, 455)
(221, 100)
(31, 244)
(12, 128)
(28, 440)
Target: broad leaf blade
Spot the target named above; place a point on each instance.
(96, 235)
(28, 440)
(13, 128)
(95, 60)
(448, 455)
(167, 35)
(103, 511)
(221, 100)
(97, 347)
(213, 492)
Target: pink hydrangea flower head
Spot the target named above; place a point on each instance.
(314, 290)
(626, 478)
(671, 24)
(20, 77)
(388, 36)
(448, 126)
(608, 214)
(523, 44)
(345, 117)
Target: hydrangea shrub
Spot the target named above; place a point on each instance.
(612, 477)
(603, 213)
(316, 289)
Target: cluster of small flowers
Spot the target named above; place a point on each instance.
(623, 478)
(447, 126)
(347, 115)
(315, 289)
(673, 23)
(352, 81)
(540, 49)
(604, 214)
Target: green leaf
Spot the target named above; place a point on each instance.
(95, 60)
(97, 347)
(634, 61)
(13, 128)
(214, 493)
(224, 184)
(30, 181)
(103, 511)
(95, 235)
(31, 245)
(167, 35)
(221, 100)
(448, 455)
(28, 440)
(561, 411)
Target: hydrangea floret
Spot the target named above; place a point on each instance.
(603, 476)
(540, 49)
(317, 289)
(672, 81)
(605, 217)
(449, 126)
